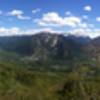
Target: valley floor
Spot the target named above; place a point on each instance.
(17, 83)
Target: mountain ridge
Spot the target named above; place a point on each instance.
(48, 45)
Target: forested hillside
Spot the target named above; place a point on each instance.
(49, 67)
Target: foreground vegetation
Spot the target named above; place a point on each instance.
(18, 83)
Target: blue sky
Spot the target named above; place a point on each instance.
(77, 17)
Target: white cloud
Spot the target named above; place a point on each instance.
(83, 25)
(7, 32)
(98, 19)
(88, 8)
(80, 32)
(86, 32)
(36, 10)
(53, 19)
(23, 17)
(18, 14)
(17, 31)
(53, 22)
(38, 30)
(76, 31)
(14, 30)
(15, 13)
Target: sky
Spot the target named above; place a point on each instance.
(25, 17)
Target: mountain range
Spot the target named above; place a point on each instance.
(45, 45)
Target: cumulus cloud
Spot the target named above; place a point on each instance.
(18, 14)
(88, 8)
(83, 25)
(36, 10)
(80, 32)
(15, 13)
(17, 31)
(85, 32)
(76, 31)
(23, 17)
(54, 23)
(6, 32)
(98, 19)
(54, 19)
